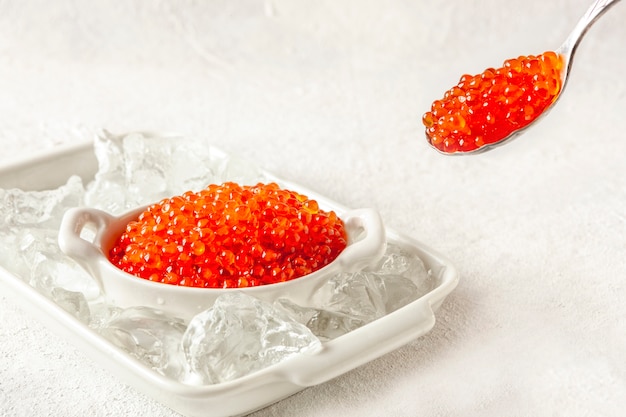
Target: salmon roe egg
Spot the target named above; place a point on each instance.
(485, 108)
(230, 236)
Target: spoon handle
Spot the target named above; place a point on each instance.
(593, 13)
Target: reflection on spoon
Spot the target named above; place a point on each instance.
(492, 108)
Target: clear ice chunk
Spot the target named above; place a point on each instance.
(239, 335)
(149, 335)
(73, 302)
(9, 256)
(19, 208)
(138, 169)
(349, 301)
(49, 268)
(324, 324)
(236, 170)
(161, 167)
(28, 234)
(101, 313)
(402, 277)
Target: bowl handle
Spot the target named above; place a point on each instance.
(367, 228)
(84, 252)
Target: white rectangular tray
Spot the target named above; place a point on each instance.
(257, 390)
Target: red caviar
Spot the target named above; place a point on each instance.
(485, 108)
(228, 236)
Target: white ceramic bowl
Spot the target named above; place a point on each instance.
(366, 245)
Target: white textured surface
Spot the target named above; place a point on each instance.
(330, 95)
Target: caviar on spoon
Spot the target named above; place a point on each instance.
(489, 109)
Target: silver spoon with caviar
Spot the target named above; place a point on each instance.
(492, 108)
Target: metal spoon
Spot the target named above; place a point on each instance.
(566, 51)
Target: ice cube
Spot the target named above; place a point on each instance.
(351, 300)
(102, 312)
(149, 172)
(48, 268)
(324, 324)
(239, 335)
(9, 256)
(148, 335)
(402, 277)
(138, 169)
(55, 270)
(398, 261)
(108, 196)
(144, 169)
(237, 170)
(72, 302)
(347, 302)
(19, 208)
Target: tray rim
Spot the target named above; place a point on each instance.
(179, 394)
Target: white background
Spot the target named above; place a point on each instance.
(330, 94)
